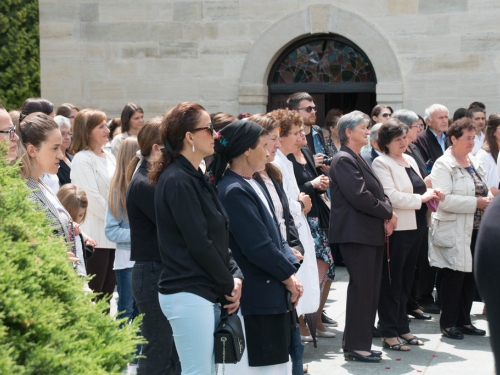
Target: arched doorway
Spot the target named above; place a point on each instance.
(331, 68)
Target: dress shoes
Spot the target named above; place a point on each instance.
(307, 338)
(376, 353)
(431, 309)
(452, 333)
(472, 330)
(417, 315)
(325, 319)
(326, 334)
(376, 332)
(354, 356)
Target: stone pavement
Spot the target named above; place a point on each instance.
(438, 355)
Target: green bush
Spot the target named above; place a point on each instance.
(48, 325)
(19, 52)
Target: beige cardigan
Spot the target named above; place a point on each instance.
(397, 186)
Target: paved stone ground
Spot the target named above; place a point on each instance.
(437, 356)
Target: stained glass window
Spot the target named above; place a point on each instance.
(324, 61)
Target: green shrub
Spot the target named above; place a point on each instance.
(19, 52)
(48, 325)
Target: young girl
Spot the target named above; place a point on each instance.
(117, 229)
(74, 200)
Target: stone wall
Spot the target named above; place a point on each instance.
(103, 53)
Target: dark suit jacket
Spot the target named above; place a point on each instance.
(417, 156)
(292, 234)
(359, 206)
(262, 255)
(369, 156)
(429, 146)
(64, 171)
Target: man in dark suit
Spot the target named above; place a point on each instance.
(433, 142)
(369, 154)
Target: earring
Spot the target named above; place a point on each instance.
(193, 147)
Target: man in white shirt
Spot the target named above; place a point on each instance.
(476, 114)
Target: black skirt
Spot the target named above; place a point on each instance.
(267, 339)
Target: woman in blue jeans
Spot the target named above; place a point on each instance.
(158, 355)
(198, 271)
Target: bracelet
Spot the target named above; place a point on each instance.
(302, 205)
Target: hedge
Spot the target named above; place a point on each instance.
(19, 52)
(48, 325)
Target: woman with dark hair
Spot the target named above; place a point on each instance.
(360, 213)
(266, 259)
(132, 120)
(198, 272)
(92, 169)
(408, 193)
(380, 114)
(68, 110)
(221, 119)
(454, 228)
(421, 124)
(115, 128)
(459, 113)
(488, 154)
(332, 144)
(32, 105)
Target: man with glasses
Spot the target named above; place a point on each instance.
(8, 136)
(303, 104)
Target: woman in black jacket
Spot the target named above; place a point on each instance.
(159, 354)
(198, 271)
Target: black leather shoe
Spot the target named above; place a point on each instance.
(376, 332)
(472, 330)
(417, 315)
(354, 356)
(452, 333)
(376, 353)
(431, 309)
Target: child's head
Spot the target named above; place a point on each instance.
(74, 199)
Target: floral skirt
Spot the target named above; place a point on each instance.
(322, 246)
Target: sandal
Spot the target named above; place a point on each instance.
(413, 341)
(399, 346)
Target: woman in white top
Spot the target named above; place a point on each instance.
(488, 154)
(132, 120)
(92, 170)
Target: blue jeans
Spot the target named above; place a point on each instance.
(193, 321)
(126, 302)
(160, 355)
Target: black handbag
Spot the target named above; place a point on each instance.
(229, 342)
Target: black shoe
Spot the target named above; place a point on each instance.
(376, 353)
(452, 333)
(431, 309)
(328, 321)
(417, 315)
(376, 332)
(354, 356)
(471, 330)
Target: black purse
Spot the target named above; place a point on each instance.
(229, 342)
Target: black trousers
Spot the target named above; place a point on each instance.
(160, 354)
(100, 264)
(426, 274)
(456, 294)
(364, 265)
(395, 291)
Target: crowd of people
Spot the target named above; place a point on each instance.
(192, 212)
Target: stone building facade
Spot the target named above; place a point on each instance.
(223, 53)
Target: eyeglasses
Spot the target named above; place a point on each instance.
(11, 132)
(209, 127)
(310, 108)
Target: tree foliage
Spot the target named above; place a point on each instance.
(19, 52)
(48, 325)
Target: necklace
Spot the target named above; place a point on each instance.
(243, 176)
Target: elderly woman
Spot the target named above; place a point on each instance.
(455, 226)
(403, 184)
(360, 216)
(8, 135)
(264, 256)
(64, 171)
(488, 154)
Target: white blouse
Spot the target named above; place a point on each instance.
(278, 207)
(490, 167)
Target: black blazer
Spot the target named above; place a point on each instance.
(417, 156)
(292, 234)
(64, 171)
(262, 254)
(369, 156)
(142, 217)
(359, 205)
(429, 146)
(193, 234)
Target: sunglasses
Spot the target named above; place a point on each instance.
(310, 108)
(11, 132)
(209, 127)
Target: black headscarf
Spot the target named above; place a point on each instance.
(233, 141)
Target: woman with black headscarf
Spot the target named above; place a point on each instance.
(265, 258)
(198, 271)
